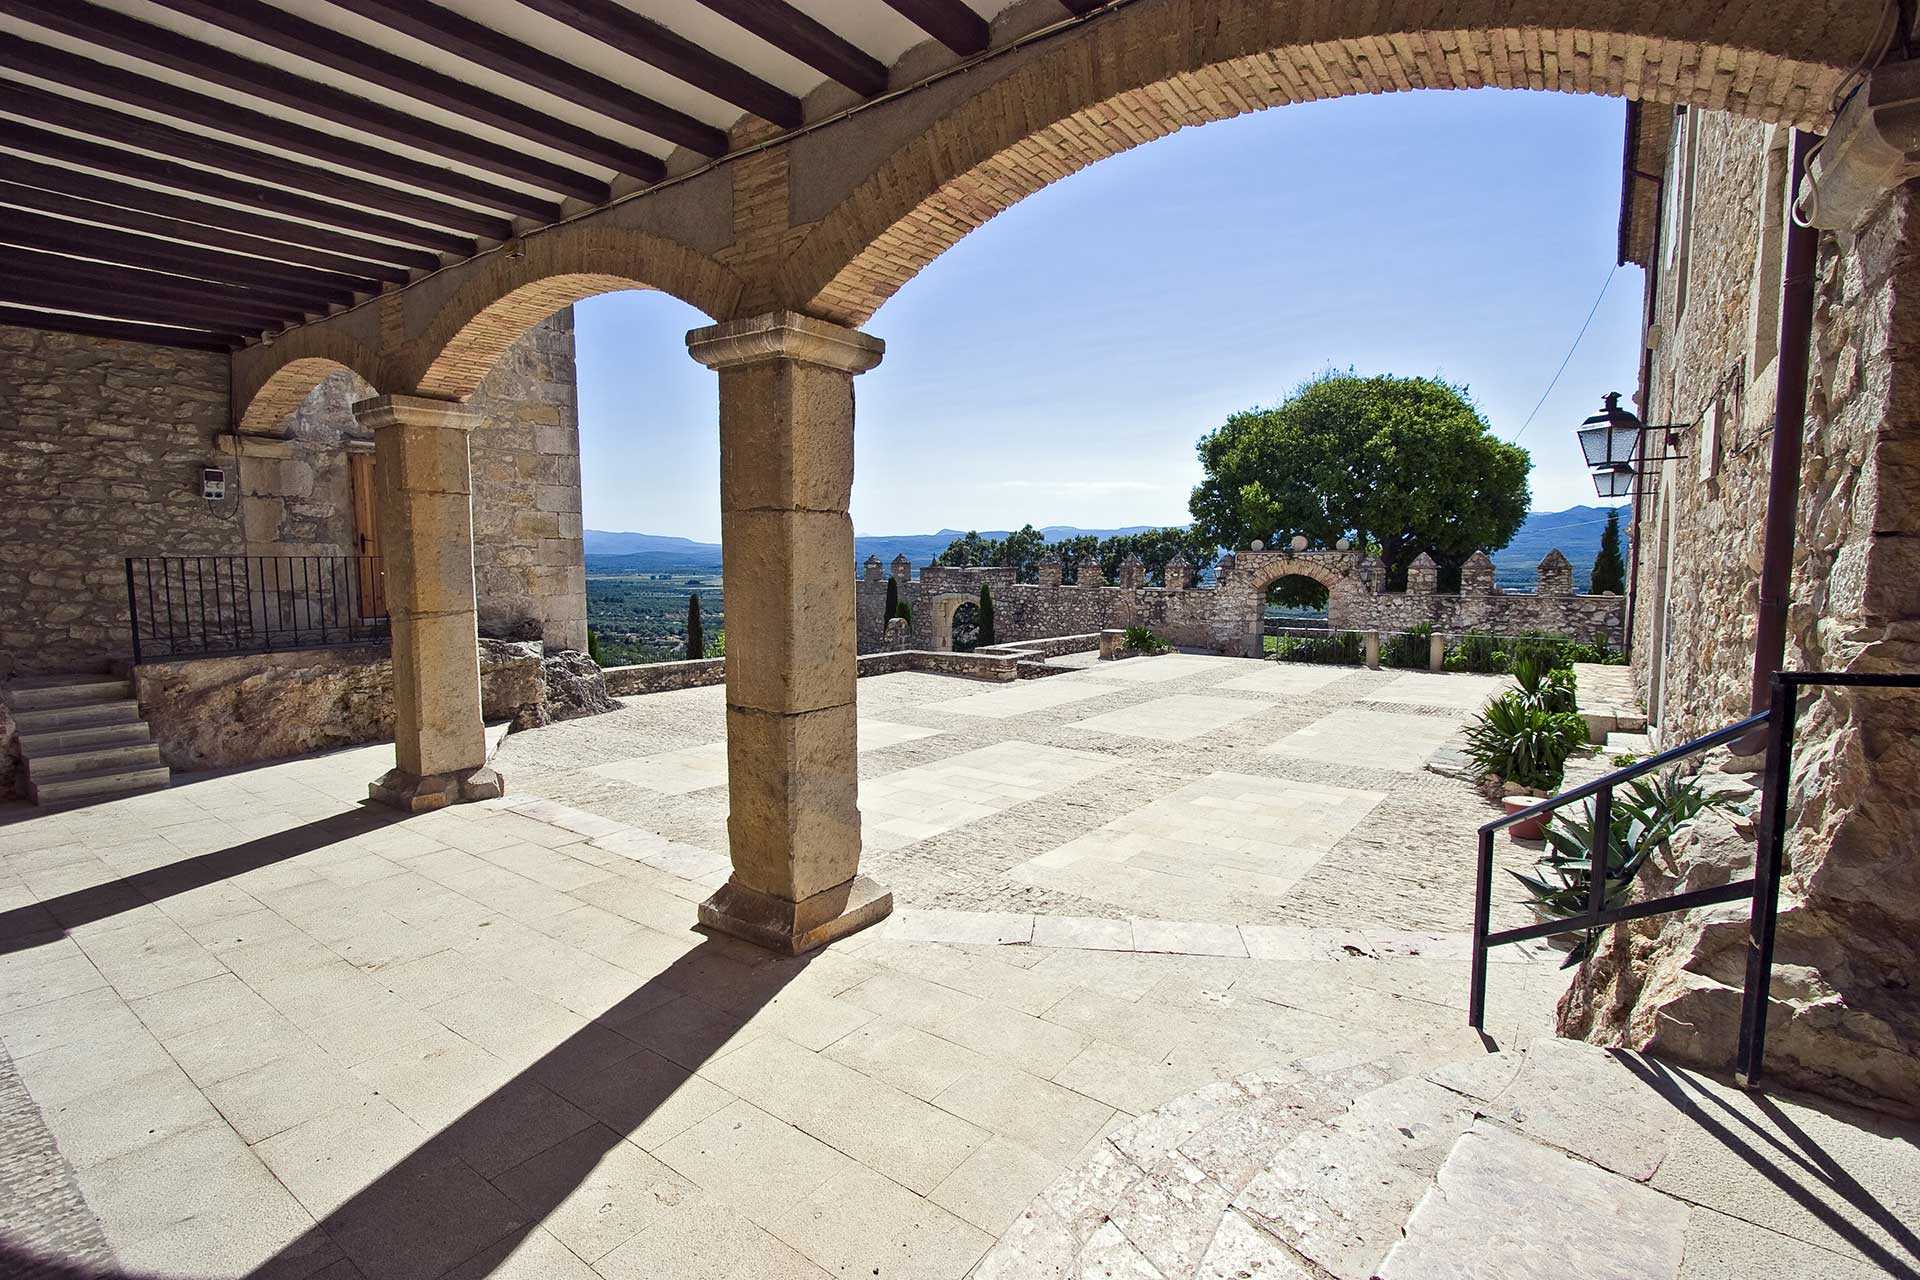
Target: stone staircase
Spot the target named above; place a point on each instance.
(1556, 1161)
(82, 739)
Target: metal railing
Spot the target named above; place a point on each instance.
(188, 606)
(1762, 888)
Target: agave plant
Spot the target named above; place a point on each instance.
(1524, 743)
(1644, 818)
(1550, 688)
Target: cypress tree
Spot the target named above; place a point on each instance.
(986, 615)
(696, 639)
(1609, 570)
(893, 600)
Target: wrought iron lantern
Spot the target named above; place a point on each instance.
(1613, 442)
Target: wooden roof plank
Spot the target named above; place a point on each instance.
(133, 38)
(145, 199)
(644, 40)
(363, 274)
(799, 36)
(293, 34)
(950, 22)
(502, 54)
(119, 85)
(121, 331)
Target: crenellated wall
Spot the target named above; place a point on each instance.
(1227, 616)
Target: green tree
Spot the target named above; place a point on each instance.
(1609, 570)
(969, 551)
(696, 641)
(893, 600)
(1400, 465)
(986, 615)
(593, 648)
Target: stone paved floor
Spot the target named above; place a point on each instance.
(1329, 745)
(259, 1029)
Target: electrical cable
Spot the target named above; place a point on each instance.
(1591, 313)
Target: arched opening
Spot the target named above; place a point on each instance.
(966, 628)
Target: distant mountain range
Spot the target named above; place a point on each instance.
(1575, 531)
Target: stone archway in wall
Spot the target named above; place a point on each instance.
(944, 610)
(1158, 66)
(1240, 600)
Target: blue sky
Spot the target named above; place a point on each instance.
(1058, 364)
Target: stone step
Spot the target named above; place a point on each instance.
(47, 692)
(67, 764)
(62, 719)
(1633, 744)
(54, 742)
(99, 784)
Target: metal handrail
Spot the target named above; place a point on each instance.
(1763, 887)
(182, 606)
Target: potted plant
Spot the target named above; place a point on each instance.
(1522, 743)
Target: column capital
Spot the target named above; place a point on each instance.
(785, 335)
(421, 411)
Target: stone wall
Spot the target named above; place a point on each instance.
(1844, 1018)
(529, 562)
(216, 713)
(101, 448)
(1228, 616)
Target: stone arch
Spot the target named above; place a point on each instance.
(288, 384)
(944, 608)
(1156, 67)
(521, 287)
(1288, 566)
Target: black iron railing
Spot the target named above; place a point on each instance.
(1762, 888)
(183, 606)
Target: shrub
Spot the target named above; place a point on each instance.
(1478, 651)
(1343, 648)
(1644, 819)
(717, 644)
(696, 638)
(1523, 743)
(1550, 690)
(593, 648)
(1407, 649)
(1145, 641)
(1496, 655)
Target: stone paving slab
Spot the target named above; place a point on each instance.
(1153, 670)
(1457, 690)
(1369, 739)
(1021, 697)
(1180, 718)
(1207, 850)
(914, 804)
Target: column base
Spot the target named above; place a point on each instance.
(412, 793)
(793, 928)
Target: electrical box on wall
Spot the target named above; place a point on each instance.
(213, 484)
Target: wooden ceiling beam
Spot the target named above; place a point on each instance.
(795, 34)
(103, 294)
(484, 47)
(58, 235)
(143, 168)
(950, 22)
(120, 331)
(145, 199)
(363, 275)
(644, 40)
(232, 300)
(42, 106)
(133, 38)
(292, 34)
(117, 85)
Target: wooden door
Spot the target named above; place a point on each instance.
(366, 539)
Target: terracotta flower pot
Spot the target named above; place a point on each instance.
(1532, 828)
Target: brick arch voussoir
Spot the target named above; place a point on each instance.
(474, 328)
(290, 374)
(1326, 576)
(1154, 69)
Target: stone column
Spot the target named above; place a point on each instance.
(425, 498)
(1437, 651)
(1370, 645)
(786, 477)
